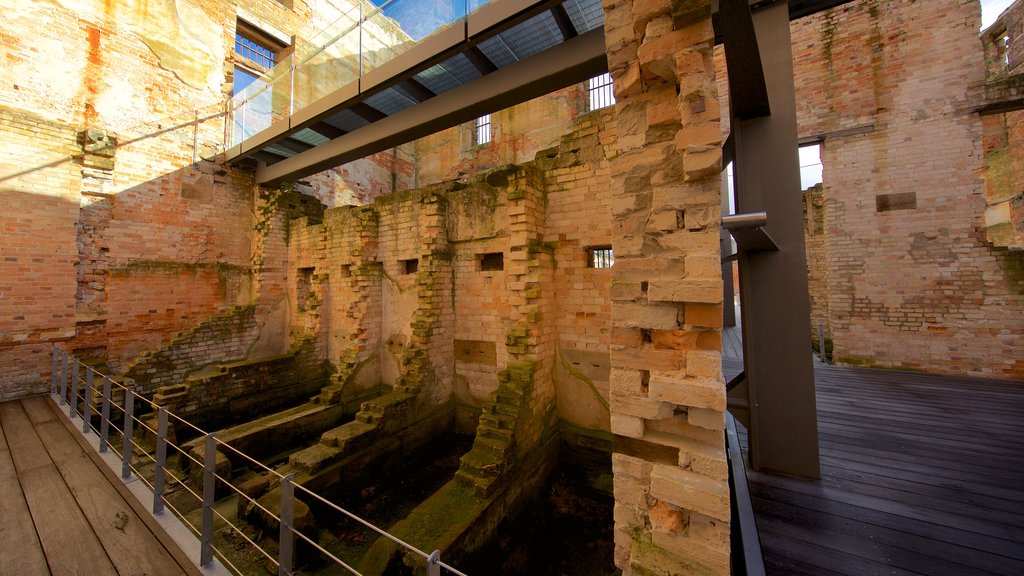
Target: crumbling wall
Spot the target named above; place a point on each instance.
(112, 123)
(913, 281)
(578, 220)
(817, 261)
(517, 134)
(667, 393)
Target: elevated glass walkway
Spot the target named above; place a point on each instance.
(389, 71)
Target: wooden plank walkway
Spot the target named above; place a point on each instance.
(921, 474)
(63, 512)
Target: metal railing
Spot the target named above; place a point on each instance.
(74, 385)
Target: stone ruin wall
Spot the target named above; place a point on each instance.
(913, 281)
(361, 306)
(906, 273)
(128, 230)
(1003, 140)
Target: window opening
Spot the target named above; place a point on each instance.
(492, 262)
(482, 131)
(410, 266)
(600, 257)
(810, 165)
(601, 91)
(260, 53)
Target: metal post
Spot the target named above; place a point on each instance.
(821, 342)
(129, 422)
(63, 378)
(434, 563)
(291, 86)
(286, 539)
(161, 460)
(73, 389)
(105, 415)
(53, 370)
(209, 486)
(87, 401)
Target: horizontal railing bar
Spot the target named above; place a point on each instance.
(394, 539)
(242, 534)
(317, 546)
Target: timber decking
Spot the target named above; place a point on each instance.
(920, 474)
(60, 513)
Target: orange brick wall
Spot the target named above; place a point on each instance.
(143, 240)
(924, 288)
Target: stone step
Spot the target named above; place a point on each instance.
(348, 435)
(484, 485)
(496, 446)
(480, 464)
(495, 433)
(498, 421)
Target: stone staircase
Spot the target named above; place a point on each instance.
(493, 451)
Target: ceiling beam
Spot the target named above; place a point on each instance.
(327, 130)
(565, 25)
(480, 61)
(563, 65)
(367, 112)
(418, 91)
(294, 145)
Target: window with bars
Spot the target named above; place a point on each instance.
(600, 257)
(248, 47)
(601, 91)
(482, 130)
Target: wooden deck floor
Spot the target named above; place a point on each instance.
(921, 474)
(60, 513)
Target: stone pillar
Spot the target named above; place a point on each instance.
(667, 392)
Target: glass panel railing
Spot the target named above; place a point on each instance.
(397, 25)
(328, 60)
(366, 36)
(264, 101)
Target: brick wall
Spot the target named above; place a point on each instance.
(912, 280)
(118, 198)
(37, 252)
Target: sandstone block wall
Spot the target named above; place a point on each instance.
(667, 393)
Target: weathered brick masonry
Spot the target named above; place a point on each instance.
(127, 229)
(912, 279)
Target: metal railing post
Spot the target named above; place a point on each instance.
(821, 341)
(161, 460)
(105, 415)
(434, 563)
(87, 401)
(209, 487)
(73, 389)
(286, 538)
(129, 422)
(53, 371)
(291, 86)
(63, 378)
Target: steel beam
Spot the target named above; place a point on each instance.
(564, 65)
(774, 295)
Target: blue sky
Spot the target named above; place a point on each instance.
(991, 9)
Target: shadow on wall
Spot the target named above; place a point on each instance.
(111, 249)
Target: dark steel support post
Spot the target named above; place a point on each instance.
(53, 370)
(160, 473)
(105, 415)
(774, 293)
(63, 378)
(209, 487)
(127, 431)
(286, 538)
(73, 389)
(87, 401)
